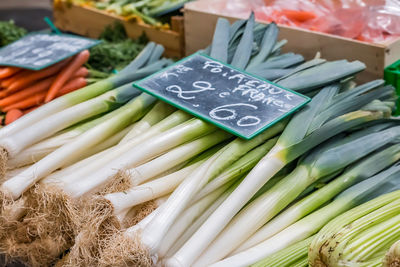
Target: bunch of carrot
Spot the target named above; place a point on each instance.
(23, 90)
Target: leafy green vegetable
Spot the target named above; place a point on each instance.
(116, 50)
(9, 32)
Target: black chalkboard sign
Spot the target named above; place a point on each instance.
(229, 98)
(40, 50)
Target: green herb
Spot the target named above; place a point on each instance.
(116, 50)
(9, 32)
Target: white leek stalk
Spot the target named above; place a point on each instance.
(190, 215)
(123, 201)
(193, 227)
(174, 157)
(171, 121)
(63, 119)
(105, 145)
(237, 169)
(148, 149)
(154, 232)
(39, 150)
(159, 112)
(120, 118)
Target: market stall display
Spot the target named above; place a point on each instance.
(87, 20)
(110, 175)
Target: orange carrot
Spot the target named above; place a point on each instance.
(81, 72)
(8, 71)
(72, 85)
(12, 115)
(32, 99)
(66, 74)
(3, 93)
(38, 87)
(35, 76)
(15, 77)
(27, 102)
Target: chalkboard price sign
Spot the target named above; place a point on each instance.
(218, 93)
(40, 50)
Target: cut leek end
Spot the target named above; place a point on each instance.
(125, 250)
(392, 257)
(317, 263)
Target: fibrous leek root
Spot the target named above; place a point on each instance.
(46, 230)
(3, 164)
(98, 223)
(124, 250)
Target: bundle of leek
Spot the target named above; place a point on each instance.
(290, 145)
(329, 113)
(103, 169)
(356, 172)
(383, 182)
(83, 104)
(108, 116)
(324, 161)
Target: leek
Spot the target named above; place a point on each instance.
(149, 148)
(190, 215)
(118, 120)
(159, 112)
(154, 232)
(382, 183)
(362, 169)
(39, 150)
(237, 169)
(123, 201)
(174, 157)
(323, 161)
(166, 124)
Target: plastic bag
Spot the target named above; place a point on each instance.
(364, 20)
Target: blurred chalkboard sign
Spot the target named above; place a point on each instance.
(232, 99)
(40, 50)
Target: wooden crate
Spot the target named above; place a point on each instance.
(90, 22)
(305, 42)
